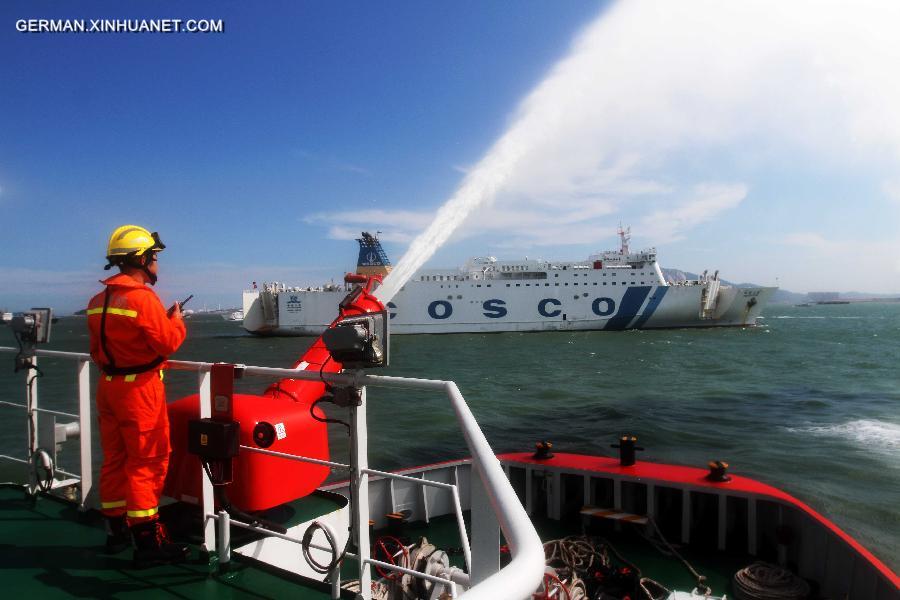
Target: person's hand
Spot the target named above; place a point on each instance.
(175, 311)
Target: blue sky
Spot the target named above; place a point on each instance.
(766, 152)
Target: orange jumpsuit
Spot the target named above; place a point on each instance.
(138, 335)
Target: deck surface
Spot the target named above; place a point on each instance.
(49, 550)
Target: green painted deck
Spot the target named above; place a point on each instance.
(51, 550)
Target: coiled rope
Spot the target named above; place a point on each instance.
(764, 581)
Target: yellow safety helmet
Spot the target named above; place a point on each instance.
(130, 241)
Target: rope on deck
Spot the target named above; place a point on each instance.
(765, 581)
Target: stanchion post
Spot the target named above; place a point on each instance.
(84, 423)
(485, 531)
(223, 541)
(359, 480)
(31, 392)
(209, 528)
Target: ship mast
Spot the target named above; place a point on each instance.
(625, 237)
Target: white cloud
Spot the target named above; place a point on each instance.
(652, 86)
(891, 189)
(393, 225)
(704, 203)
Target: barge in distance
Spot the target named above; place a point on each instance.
(611, 290)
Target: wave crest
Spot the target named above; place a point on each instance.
(880, 435)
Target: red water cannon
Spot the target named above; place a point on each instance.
(281, 419)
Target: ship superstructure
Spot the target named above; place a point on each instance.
(611, 290)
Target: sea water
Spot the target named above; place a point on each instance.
(809, 401)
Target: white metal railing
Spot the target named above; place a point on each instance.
(32, 408)
(495, 506)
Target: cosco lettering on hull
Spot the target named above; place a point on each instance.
(496, 308)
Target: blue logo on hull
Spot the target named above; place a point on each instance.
(621, 314)
(542, 307)
(494, 309)
(440, 309)
(652, 305)
(603, 307)
(631, 304)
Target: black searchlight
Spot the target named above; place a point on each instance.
(359, 342)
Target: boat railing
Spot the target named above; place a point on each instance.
(495, 507)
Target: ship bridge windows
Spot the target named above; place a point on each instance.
(524, 275)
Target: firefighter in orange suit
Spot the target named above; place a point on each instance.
(131, 335)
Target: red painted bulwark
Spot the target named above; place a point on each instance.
(695, 478)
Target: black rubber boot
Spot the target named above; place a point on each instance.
(153, 547)
(118, 537)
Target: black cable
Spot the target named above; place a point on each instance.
(46, 484)
(312, 413)
(22, 362)
(321, 369)
(313, 563)
(340, 559)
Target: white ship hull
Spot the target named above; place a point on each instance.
(424, 307)
(610, 291)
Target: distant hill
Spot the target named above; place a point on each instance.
(782, 296)
(679, 275)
